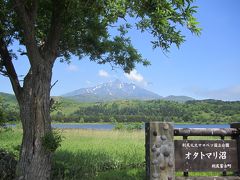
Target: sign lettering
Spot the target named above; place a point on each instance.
(205, 155)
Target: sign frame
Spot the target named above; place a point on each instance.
(205, 155)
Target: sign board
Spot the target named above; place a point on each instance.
(206, 155)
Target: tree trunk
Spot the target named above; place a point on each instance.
(34, 102)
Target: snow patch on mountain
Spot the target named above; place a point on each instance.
(115, 90)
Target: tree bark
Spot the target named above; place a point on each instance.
(34, 97)
(35, 161)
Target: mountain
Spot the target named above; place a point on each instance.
(115, 90)
(118, 90)
(180, 99)
(110, 91)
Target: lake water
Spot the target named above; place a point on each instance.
(84, 126)
(110, 126)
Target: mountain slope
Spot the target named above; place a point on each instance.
(116, 90)
(8, 98)
(180, 99)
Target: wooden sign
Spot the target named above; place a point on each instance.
(206, 155)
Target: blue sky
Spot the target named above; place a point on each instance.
(204, 67)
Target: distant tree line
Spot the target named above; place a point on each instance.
(204, 111)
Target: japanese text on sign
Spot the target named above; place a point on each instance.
(208, 155)
(205, 155)
(199, 145)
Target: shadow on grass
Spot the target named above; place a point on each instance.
(88, 165)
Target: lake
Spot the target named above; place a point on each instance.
(111, 126)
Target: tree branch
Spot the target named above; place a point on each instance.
(27, 16)
(33, 10)
(53, 38)
(53, 84)
(10, 70)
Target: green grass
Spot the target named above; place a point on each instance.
(95, 155)
(91, 154)
(88, 153)
(69, 106)
(10, 140)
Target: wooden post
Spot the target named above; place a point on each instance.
(238, 150)
(237, 137)
(160, 163)
(206, 132)
(235, 125)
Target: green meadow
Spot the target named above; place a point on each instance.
(93, 154)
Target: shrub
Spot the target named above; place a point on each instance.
(128, 126)
(8, 165)
(51, 141)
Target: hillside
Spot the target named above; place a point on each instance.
(9, 110)
(196, 111)
(8, 98)
(206, 111)
(180, 99)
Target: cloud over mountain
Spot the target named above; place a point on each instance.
(136, 77)
(103, 73)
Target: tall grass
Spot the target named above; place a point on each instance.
(85, 154)
(92, 154)
(10, 140)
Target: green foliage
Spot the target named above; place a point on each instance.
(119, 126)
(85, 27)
(8, 164)
(126, 174)
(9, 110)
(94, 155)
(10, 141)
(2, 118)
(52, 140)
(87, 154)
(81, 120)
(113, 120)
(56, 106)
(8, 98)
(58, 29)
(205, 111)
(2, 121)
(128, 126)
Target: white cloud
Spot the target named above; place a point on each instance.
(134, 76)
(72, 68)
(103, 73)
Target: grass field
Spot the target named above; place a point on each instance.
(91, 154)
(94, 155)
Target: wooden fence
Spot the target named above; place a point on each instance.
(166, 155)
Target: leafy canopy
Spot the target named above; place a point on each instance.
(84, 27)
